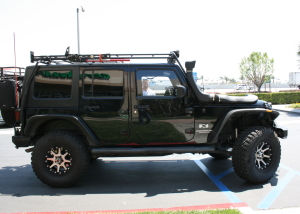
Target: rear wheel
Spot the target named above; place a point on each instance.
(59, 159)
(256, 154)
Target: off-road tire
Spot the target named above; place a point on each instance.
(9, 117)
(60, 159)
(256, 154)
(219, 155)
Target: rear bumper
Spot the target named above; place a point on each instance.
(21, 141)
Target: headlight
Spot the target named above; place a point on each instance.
(268, 105)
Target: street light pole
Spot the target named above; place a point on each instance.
(78, 43)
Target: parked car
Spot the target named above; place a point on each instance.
(76, 108)
(243, 87)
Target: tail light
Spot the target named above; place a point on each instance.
(17, 116)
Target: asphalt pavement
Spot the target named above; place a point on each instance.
(248, 210)
(285, 108)
(243, 208)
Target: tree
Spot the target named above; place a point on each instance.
(232, 80)
(226, 79)
(256, 67)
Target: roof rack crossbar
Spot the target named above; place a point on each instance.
(172, 57)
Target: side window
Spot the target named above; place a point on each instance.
(53, 84)
(99, 83)
(156, 82)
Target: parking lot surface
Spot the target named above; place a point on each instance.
(149, 182)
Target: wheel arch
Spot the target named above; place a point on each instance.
(45, 123)
(239, 113)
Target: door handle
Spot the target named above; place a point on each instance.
(141, 106)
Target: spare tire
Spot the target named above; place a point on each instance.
(9, 117)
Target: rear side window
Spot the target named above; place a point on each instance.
(53, 84)
(102, 83)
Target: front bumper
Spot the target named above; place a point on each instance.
(282, 132)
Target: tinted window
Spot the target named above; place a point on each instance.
(156, 82)
(53, 84)
(99, 83)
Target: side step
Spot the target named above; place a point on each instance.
(157, 150)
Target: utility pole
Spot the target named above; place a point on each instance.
(78, 42)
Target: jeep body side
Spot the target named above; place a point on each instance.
(71, 113)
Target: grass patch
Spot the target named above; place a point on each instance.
(294, 105)
(225, 211)
(218, 211)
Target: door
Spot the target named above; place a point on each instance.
(103, 101)
(158, 116)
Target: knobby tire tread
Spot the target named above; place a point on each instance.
(78, 145)
(241, 153)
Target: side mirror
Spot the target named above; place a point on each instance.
(180, 91)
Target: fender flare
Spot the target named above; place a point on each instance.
(36, 121)
(213, 137)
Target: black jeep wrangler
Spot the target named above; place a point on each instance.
(76, 108)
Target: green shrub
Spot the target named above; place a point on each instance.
(277, 97)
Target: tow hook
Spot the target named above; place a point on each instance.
(29, 150)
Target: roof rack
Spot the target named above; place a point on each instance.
(171, 57)
(11, 71)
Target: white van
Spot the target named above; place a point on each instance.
(243, 87)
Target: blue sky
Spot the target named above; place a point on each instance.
(215, 33)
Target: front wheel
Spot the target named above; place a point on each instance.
(256, 154)
(59, 159)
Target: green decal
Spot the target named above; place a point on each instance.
(69, 75)
(96, 76)
(55, 74)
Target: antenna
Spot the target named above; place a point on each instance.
(16, 78)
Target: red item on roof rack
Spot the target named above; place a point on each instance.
(106, 60)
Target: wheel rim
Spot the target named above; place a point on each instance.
(263, 155)
(58, 160)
